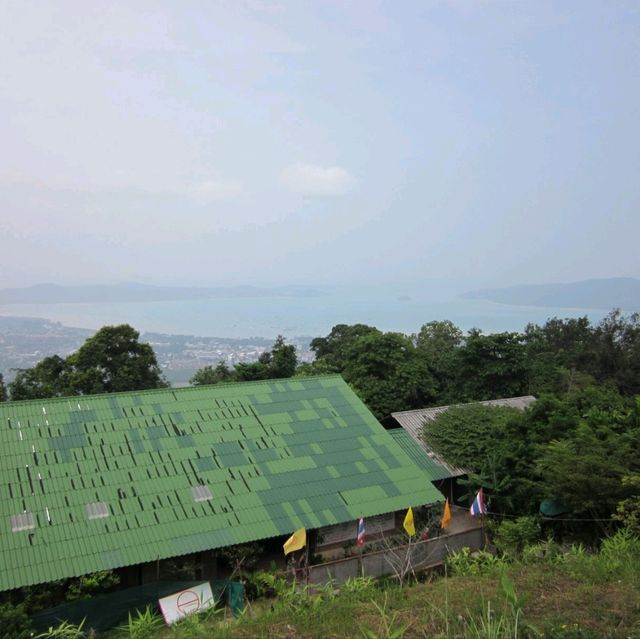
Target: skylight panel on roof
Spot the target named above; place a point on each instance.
(201, 493)
(97, 510)
(23, 521)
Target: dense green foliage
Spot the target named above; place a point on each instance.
(281, 361)
(441, 365)
(581, 448)
(14, 621)
(42, 596)
(465, 434)
(384, 368)
(111, 360)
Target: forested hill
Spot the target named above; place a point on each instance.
(617, 292)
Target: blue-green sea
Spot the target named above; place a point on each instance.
(238, 317)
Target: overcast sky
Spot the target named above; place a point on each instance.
(493, 142)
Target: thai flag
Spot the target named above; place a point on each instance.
(360, 540)
(478, 507)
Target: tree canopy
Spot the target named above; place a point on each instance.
(280, 362)
(386, 371)
(577, 449)
(444, 366)
(111, 360)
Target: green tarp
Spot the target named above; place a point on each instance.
(107, 611)
(552, 508)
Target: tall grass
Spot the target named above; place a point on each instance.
(65, 630)
(142, 625)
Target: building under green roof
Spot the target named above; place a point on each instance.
(98, 482)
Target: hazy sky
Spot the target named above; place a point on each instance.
(184, 142)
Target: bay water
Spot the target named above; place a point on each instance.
(293, 316)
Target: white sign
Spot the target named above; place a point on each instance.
(183, 603)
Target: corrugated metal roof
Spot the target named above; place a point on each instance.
(413, 421)
(433, 470)
(275, 456)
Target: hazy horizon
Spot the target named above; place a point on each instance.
(443, 142)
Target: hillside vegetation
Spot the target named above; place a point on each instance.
(545, 591)
(577, 448)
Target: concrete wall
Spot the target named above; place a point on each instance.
(423, 554)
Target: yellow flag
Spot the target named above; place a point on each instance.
(296, 541)
(408, 523)
(446, 515)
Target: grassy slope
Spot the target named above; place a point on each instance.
(575, 603)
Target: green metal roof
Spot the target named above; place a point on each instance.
(273, 455)
(418, 455)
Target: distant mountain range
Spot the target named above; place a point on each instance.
(133, 292)
(616, 292)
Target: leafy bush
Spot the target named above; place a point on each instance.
(512, 536)
(620, 555)
(144, 625)
(541, 552)
(65, 630)
(263, 583)
(14, 621)
(628, 510)
(95, 583)
(241, 557)
(465, 434)
(481, 562)
(358, 586)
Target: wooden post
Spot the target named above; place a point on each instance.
(306, 562)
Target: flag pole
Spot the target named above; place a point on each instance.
(306, 564)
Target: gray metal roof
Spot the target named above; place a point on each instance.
(413, 421)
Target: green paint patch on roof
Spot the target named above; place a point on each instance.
(186, 470)
(431, 467)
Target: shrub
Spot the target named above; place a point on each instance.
(65, 630)
(14, 621)
(620, 555)
(359, 586)
(144, 625)
(548, 552)
(93, 584)
(512, 536)
(481, 562)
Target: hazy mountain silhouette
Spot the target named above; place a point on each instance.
(616, 292)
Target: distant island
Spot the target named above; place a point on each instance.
(134, 292)
(616, 292)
